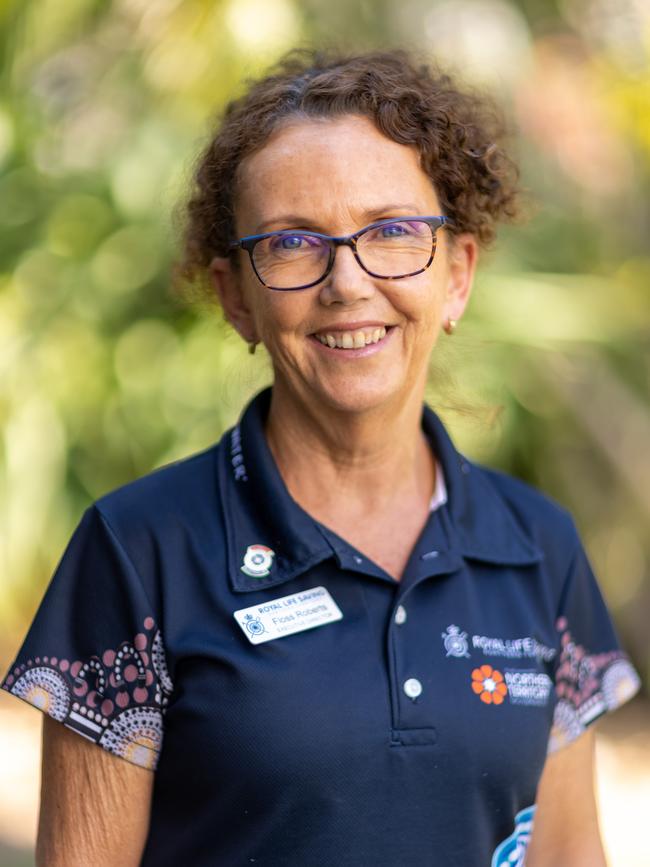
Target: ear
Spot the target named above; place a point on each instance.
(227, 284)
(462, 255)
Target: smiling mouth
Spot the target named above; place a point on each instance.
(353, 339)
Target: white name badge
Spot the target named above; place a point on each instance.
(288, 614)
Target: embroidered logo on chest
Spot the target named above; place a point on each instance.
(455, 641)
(457, 644)
(519, 686)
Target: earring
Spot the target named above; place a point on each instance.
(450, 325)
(252, 345)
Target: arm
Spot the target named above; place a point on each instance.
(565, 829)
(94, 805)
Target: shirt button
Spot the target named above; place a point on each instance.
(412, 687)
(400, 615)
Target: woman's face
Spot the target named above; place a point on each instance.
(336, 176)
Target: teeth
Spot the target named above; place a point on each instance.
(360, 339)
(352, 339)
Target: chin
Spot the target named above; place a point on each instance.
(355, 394)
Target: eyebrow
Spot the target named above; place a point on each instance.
(299, 220)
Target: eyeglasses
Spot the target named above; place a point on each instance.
(390, 249)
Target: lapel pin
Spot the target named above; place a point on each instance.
(258, 560)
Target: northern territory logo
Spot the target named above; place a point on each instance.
(488, 685)
(520, 686)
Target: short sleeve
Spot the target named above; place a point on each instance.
(93, 657)
(593, 675)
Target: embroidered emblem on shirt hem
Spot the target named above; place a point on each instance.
(511, 852)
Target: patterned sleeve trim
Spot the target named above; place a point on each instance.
(586, 687)
(117, 700)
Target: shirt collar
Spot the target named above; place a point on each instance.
(439, 497)
(259, 511)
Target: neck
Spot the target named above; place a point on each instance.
(355, 462)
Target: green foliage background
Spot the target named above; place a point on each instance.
(105, 373)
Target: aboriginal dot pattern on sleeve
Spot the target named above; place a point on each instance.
(587, 685)
(116, 700)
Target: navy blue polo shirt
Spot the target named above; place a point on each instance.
(298, 705)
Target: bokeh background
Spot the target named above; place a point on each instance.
(106, 373)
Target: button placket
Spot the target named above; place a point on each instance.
(411, 726)
(412, 686)
(433, 557)
(407, 685)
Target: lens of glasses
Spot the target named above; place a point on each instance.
(396, 249)
(291, 260)
(294, 259)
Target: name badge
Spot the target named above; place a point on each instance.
(288, 614)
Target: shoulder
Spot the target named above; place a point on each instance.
(547, 523)
(164, 500)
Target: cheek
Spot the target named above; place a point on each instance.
(419, 302)
(281, 315)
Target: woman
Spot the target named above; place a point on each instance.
(360, 646)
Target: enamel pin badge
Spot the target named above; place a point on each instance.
(258, 560)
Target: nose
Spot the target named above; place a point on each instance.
(347, 282)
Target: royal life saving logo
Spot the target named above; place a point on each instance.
(258, 560)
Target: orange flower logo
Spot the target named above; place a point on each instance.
(488, 683)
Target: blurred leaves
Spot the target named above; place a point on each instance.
(105, 374)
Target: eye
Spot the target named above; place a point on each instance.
(393, 230)
(289, 243)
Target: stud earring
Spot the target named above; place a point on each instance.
(450, 325)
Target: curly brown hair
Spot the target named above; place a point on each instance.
(458, 131)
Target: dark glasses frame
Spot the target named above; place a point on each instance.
(248, 243)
